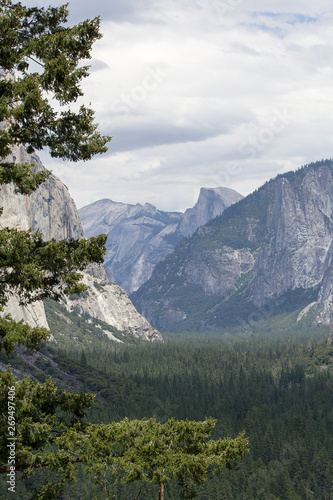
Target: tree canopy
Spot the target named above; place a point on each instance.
(126, 451)
(40, 63)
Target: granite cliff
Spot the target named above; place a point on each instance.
(51, 210)
(270, 252)
(141, 236)
(211, 203)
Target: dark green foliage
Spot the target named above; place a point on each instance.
(12, 332)
(48, 424)
(22, 175)
(279, 391)
(144, 450)
(33, 268)
(323, 356)
(260, 385)
(272, 386)
(30, 268)
(41, 35)
(42, 416)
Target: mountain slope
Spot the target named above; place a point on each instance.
(140, 236)
(271, 251)
(211, 203)
(51, 210)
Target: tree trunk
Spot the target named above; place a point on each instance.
(161, 495)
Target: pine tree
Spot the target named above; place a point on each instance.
(43, 426)
(31, 268)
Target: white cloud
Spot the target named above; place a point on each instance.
(193, 93)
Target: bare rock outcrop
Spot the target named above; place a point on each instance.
(51, 210)
(270, 252)
(141, 236)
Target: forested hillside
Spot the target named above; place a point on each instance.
(270, 252)
(275, 383)
(235, 401)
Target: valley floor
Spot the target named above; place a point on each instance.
(275, 385)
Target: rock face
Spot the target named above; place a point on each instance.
(140, 236)
(51, 210)
(109, 303)
(211, 203)
(268, 253)
(18, 212)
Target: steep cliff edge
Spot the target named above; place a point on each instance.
(211, 203)
(141, 236)
(271, 251)
(51, 210)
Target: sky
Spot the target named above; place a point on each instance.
(202, 93)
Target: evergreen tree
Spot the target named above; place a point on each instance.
(44, 427)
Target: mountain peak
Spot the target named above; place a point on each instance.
(270, 253)
(141, 236)
(51, 210)
(211, 203)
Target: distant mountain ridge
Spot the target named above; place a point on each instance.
(269, 252)
(141, 236)
(51, 210)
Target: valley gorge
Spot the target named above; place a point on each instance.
(271, 251)
(51, 210)
(141, 236)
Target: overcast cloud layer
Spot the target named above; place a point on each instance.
(203, 93)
